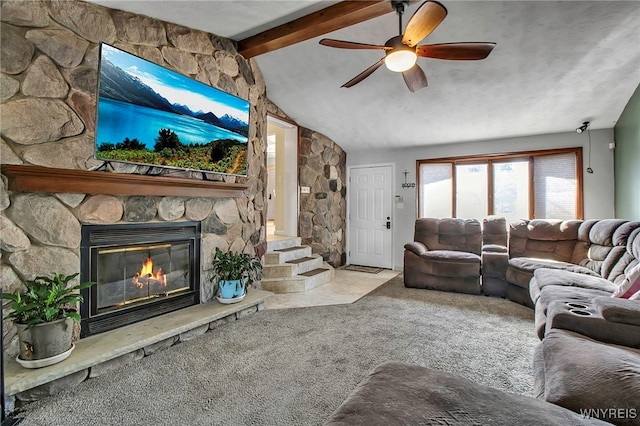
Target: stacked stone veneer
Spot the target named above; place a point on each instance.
(49, 77)
(322, 222)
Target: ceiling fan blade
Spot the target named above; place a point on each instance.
(415, 78)
(364, 74)
(350, 44)
(456, 51)
(423, 22)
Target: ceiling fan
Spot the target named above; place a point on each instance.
(401, 52)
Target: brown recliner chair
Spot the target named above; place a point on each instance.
(445, 255)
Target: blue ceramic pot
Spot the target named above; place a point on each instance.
(242, 287)
(228, 288)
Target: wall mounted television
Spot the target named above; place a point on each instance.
(150, 115)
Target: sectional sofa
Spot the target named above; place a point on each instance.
(573, 274)
(584, 249)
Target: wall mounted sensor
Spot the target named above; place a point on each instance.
(585, 126)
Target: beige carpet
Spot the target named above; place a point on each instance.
(295, 366)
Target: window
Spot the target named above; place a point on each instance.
(471, 190)
(436, 184)
(536, 184)
(511, 189)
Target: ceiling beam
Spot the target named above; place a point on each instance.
(332, 18)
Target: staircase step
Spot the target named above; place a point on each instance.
(302, 282)
(283, 243)
(301, 260)
(293, 267)
(286, 254)
(287, 249)
(314, 272)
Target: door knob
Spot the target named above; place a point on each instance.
(388, 222)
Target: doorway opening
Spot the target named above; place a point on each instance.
(282, 179)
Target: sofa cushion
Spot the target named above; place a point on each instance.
(403, 394)
(454, 256)
(449, 234)
(451, 263)
(608, 240)
(545, 239)
(618, 310)
(583, 374)
(494, 231)
(633, 243)
(545, 277)
(521, 269)
(630, 285)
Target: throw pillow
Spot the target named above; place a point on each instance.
(630, 285)
(635, 296)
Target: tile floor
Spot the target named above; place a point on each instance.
(347, 287)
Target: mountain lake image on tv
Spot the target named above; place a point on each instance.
(150, 115)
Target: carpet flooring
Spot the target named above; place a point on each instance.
(296, 366)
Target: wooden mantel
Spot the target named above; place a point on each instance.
(47, 179)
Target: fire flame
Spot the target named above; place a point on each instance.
(147, 275)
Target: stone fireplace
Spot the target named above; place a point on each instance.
(140, 270)
(49, 110)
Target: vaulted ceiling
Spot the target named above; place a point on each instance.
(556, 64)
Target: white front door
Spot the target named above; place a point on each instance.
(370, 213)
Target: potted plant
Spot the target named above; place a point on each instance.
(233, 273)
(44, 314)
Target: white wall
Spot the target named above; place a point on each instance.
(598, 187)
(286, 176)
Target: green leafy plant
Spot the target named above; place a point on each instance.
(231, 266)
(45, 300)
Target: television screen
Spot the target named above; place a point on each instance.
(150, 115)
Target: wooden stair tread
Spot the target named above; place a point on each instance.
(301, 260)
(313, 272)
(290, 249)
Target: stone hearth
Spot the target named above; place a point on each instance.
(97, 355)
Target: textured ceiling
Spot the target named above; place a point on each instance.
(556, 64)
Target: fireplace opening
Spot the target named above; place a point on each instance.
(140, 270)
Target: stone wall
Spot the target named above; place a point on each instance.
(323, 212)
(49, 65)
(322, 167)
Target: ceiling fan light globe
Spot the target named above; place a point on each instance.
(400, 60)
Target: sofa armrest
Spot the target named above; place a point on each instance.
(586, 319)
(494, 248)
(495, 260)
(615, 309)
(416, 247)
